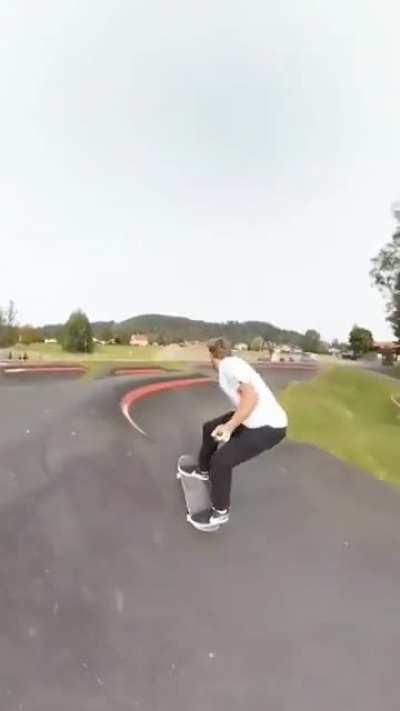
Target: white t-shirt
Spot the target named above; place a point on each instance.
(233, 371)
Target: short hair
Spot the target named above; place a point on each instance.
(219, 343)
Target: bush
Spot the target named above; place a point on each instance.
(257, 343)
(77, 334)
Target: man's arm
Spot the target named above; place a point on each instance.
(248, 401)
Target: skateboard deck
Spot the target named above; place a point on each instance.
(195, 491)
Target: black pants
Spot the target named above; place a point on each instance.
(244, 444)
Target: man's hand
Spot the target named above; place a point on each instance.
(248, 401)
(222, 433)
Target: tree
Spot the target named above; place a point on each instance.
(339, 345)
(123, 337)
(385, 275)
(58, 334)
(39, 335)
(164, 339)
(11, 314)
(361, 340)
(107, 334)
(394, 310)
(28, 334)
(324, 348)
(257, 343)
(312, 341)
(2, 328)
(8, 325)
(12, 331)
(270, 348)
(77, 334)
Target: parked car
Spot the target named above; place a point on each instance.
(309, 357)
(348, 355)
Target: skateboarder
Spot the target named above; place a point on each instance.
(257, 424)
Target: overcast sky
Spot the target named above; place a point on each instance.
(223, 159)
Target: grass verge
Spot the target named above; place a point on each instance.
(349, 413)
(100, 368)
(53, 351)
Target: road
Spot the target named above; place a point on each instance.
(111, 602)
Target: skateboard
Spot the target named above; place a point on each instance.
(195, 491)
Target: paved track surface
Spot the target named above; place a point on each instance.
(35, 378)
(109, 601)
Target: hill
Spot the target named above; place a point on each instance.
(175, 328)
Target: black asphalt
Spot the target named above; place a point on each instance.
(110, 601)
(37, 378)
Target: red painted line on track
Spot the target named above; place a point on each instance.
(284, 366)
(152, 388)
(139, 371)
(37, 369)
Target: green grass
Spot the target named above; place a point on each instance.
(348, 412)
(99, 368)
(53, 351)
(396, 371)
(104, 360)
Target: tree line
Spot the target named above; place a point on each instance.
(385, 274)
(172, 329)
(79, 335)
(8, 325)
(163, 330)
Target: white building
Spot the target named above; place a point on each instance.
(138, 340)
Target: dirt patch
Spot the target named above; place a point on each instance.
(198, 353)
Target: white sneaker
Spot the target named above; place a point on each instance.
(193, 471)
(210, 519)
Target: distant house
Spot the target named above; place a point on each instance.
(50, 340)
(286, 354)
(138, 340)
(388, 351)
(381, 346)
